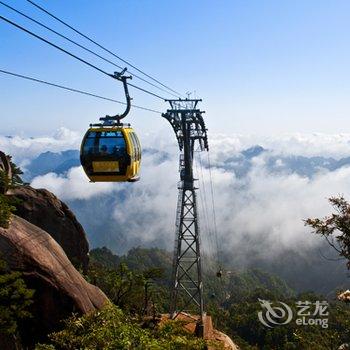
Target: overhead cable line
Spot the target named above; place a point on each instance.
(76, 57)
(81, 46)
(101, 47)
(206, 206)
(213, 208)
(74, 90)
(211, 251)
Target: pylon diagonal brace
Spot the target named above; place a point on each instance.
(192, 297)
(185, 272)
(187, 249)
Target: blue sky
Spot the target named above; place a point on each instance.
(262, 67)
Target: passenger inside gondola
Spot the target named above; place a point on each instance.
(103, 150)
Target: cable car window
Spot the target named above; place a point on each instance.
(111, 146)
(89, 146)
(105, 143)
(138, 142)
(137, 145)
(134, 145)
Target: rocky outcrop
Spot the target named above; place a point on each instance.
(59, 287)
(344, 296)
(5, 169)
(43, 209)
(214, 338)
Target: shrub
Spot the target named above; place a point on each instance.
(5, 211)
(110, 328)
(15, 300)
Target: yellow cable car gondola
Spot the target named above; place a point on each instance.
(111, 154)
(111, 151)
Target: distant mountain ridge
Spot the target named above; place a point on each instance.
(240, 164)
(52, 162)
(60, 162)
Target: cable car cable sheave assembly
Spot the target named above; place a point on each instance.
(111, 151)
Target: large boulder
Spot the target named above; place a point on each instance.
(59, 288)
(43, 209)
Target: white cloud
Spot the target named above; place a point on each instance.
(272, 207)
(262, 206)
(148, 210)
(74, 185)
(24, 149)
(148, 206)
(316, 144)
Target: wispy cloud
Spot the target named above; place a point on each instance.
(74, 185)
(24, 149)
(261, 206)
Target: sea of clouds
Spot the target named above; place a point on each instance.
(261, 206)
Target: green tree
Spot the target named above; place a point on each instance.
(16, 174)
(335, 228)
(151, 292)
(15, 299)
(6, 208)
(136, 292)
(4, 182)
(7, 205)
(122, 286)
(10, 180)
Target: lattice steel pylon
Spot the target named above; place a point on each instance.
(187, 284)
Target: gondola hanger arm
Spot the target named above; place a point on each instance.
(123, 78)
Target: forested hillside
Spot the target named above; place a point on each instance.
(232, 300)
